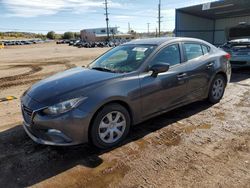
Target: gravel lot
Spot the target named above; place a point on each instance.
(198, 145)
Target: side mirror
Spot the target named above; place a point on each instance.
(159, 68)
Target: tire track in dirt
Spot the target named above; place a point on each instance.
(34, 69)
(29, 77)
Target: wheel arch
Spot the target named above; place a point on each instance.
(223, 74)
(211, 81)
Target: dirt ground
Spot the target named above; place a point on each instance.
(198, 145)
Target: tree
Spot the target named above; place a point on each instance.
(51, 35)
(76, 35)
(40, 35)
(68, 35)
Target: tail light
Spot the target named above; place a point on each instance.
(227, 56)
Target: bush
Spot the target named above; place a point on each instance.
(51, 35)
(68, 35)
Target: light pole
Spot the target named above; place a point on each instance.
(107, 18)
(148, 28)
(159, 18)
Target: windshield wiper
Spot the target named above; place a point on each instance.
(102, 69)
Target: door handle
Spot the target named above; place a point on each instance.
(181, 76)
(210, 64)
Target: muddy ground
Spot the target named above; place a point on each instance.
(198, 145)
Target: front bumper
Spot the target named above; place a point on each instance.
(70, 128)
(49, 140)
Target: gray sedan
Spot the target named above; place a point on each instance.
(125, 86)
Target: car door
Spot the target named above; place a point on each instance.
(168, 88)
(201, 66)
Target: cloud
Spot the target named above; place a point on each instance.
(122, 17)
(55, 22)
(168, 13)
(24, 8)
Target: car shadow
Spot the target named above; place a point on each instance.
(24, 163)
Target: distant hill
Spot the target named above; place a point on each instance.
(18, 35)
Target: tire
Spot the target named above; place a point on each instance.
(110, 126)
(217, 88)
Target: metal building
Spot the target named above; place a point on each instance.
(213, 21)
(100, 34)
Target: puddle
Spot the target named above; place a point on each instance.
(142, 144)
(192, 128)
(244, 102)
(134, 150)
(220, 116)
(109, 172)
(106, 173)
(168, 138)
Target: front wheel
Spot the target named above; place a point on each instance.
(217, 89)
(110, 126)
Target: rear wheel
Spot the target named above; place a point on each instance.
(217, 89)
(111, 125)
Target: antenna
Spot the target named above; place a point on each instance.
(107, 18)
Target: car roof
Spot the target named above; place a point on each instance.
(161, 40)
(152, 41)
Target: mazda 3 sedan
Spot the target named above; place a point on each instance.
(125, 86)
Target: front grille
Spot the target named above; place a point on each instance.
(27, 114)
(27, 110)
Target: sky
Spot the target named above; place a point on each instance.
(41, 16)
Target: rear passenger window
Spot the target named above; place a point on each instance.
(192, 50)
(205, 49)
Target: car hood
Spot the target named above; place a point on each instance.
(59, 87)
(240, 40)
(238, 32)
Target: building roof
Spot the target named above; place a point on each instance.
(99, 28)
(116, 34)
(220, 9)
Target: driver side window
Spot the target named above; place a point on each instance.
(170, 55)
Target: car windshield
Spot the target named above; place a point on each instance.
(124, 58)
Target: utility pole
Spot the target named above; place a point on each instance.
(129, 29)
(107, 18)
(159, 18)
(148, 28)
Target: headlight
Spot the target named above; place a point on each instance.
(63, 106)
